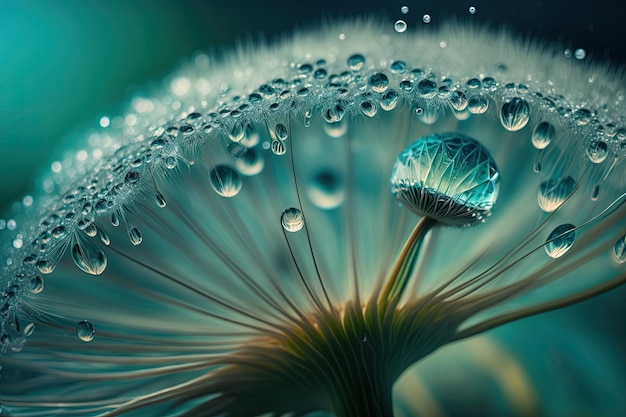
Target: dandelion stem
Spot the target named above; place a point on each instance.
(401, 272)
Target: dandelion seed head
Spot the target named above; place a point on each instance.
(167, 223)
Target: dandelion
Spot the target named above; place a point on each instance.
(289, 229)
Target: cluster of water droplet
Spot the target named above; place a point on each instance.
(233, 125)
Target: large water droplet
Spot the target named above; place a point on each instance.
(292, 220)
(389, 100)
(326, 190)
(448, 177)
(85, 331)
(543, 134)
(554, 192)
(560, 240)
(356, 61)
(515, 114)
(619, 250)
(89, 258)
(378, 82)
(458, 101)
(225, 181)
(35, 284)
(45, 266)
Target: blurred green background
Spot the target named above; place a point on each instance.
(65, 63)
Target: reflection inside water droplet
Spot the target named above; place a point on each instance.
(225, 181)
(552, 193)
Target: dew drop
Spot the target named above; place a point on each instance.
(45, 266)
(59, 232)
(159, 199)
(326, 190)
(85, 331)
(132, 177)
(515, 114)
(427, 88)
(89, 258)
(35, 284)
(447, 176)
(250, 163)
(225, 180)
(542, 135)
(104, 238)
(404, 9)
(619, 250)
(378, 82)
(477, 104)
(115, 220)
(458, 101)
(355, 62)
(134, 235)
(278, 147)
(560, 240)
(597, 151)
(292, 220)
(368, 108)
(400, 26)
(389, 100)
(554, 192)
(426, 18)
(170, 162)
(472, 10)
(281, 132)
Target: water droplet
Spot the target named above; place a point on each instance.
(543, 134)
(35, 284)
(292, 220)
(427, 88)
(85, 331)
(580, 53)
(400, 26)
(326, 190)
(426, 18)
(225, 181)
(170, 162)
(447, 176)
(89, 258)
(250, 163)
(355, 62)
(281, 132)
(389, 100)
(237, 132)
(472, 10)
(159, 199)
(477, 104)
(45, 266)
(378, 82)
(368, 108)
(619, 250)
(115, 220)
(597, 151)
(560, 240)
(132, 177)
(404, 9)
(515, 114)
(104, 238)
(334, 113)
(458, 101)
(59, 232)
(278, 147)
(554, 192)
(134, 235)
(398, 67)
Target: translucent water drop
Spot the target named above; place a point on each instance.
(89, 258)
(59, 232)
(134, 235)
(404, 9)
(85, 331)
(514, 114)
(477, 104)
(426, 18)
(115, 220)
(597, 151)
(278, 147)
(449, 177)
(326, 190)
(237, 132)
(132, 177)
(389, 100)
(472, 10)
(542, 135)
(292, 220)
(159, 199)
(281, 132)
(334, 113)
(35, 284)
(554, 192)
(560, 240)
(580, 53)
(378, 82)
(458, 101)
(400, 26)
(355, 62)
(619, 250)
(170, 162)
(427, 88)
(250, 163)
(225, 181)
(104, 238)
(45, 266)
(368, 108)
